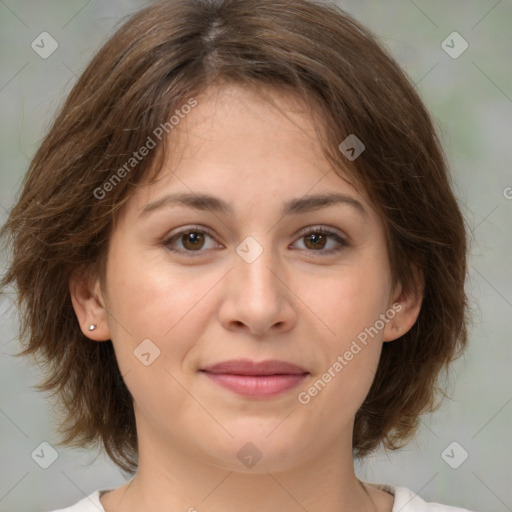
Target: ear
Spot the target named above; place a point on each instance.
(89, 305)
(406, 306)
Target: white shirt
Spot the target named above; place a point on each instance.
(405, 501)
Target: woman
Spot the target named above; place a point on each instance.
(239, 251)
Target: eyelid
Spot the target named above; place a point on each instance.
(322, 228)
(329, 231)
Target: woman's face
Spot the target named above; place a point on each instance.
(191, 284)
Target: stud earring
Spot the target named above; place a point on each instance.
(92, 327)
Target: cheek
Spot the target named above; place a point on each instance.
(149, 299)
(349, 300)
(334, 397)
(349, 304)
(149, 296)
(169, 309)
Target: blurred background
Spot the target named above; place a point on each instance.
(456, 54)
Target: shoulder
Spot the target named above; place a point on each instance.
(408, 501)
(90, 503)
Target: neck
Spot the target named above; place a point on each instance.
(172, 478)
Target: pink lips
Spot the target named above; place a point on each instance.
(256, 380)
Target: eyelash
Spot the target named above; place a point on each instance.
(309, 231)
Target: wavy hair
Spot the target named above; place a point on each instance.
(159, 58)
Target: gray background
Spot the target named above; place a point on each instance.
(470, 98)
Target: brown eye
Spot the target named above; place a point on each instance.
(319, 240)
(315, 241)
(192, 240)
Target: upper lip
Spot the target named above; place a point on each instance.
(248, 367)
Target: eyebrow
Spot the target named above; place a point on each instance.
(292, 207)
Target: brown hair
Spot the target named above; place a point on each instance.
(160, 58)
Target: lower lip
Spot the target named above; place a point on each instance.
(253, 386)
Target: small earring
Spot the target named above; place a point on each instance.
(92, 327)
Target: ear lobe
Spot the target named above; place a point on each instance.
(407, 307)
(89, 305)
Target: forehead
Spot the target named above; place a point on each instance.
(239, 121)
(248, 144)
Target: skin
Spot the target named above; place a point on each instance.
(293, 303)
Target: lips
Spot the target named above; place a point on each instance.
(248, 367)
(250, 379)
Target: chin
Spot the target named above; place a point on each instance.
(260, 448)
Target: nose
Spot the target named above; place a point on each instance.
(258, 297)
